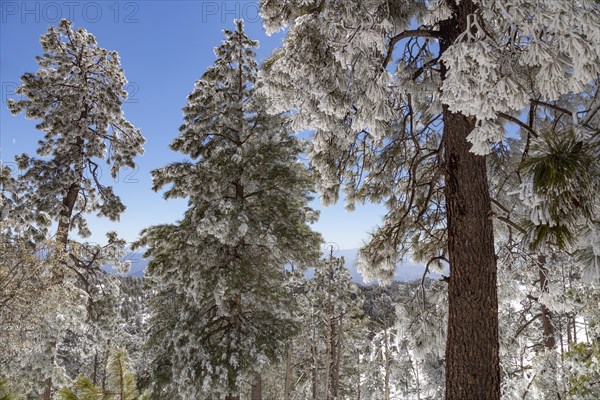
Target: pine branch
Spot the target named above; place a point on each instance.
(522, 328)
(407, 34)
(552, 106)
(519, 122)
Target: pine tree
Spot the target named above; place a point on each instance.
(121, 382)
(321, 359)
(121, 379)
(221, 310)
(414, 134)
(581, 361)
(555, 173)
(76, 94)
(82, 389)
(334, 314)
(30, 301)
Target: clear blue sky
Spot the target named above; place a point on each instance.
(164, 46)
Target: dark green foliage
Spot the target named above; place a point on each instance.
(562, 169)
(220, 302)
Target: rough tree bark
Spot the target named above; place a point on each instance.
(472, 359)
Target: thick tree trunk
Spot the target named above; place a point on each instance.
(472, 359)
(256, 393)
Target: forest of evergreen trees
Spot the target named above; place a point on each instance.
(476, 124)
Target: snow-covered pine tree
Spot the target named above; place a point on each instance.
(539, 316)
(221, 310)
(321, 359)
(29, 301)
(421, 331)
(336, 302)
(402, 132)
(76, 94)
(333, 323)
(581, 361)
(382, 353)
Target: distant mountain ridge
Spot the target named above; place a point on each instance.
(405, 271)
(138, 263)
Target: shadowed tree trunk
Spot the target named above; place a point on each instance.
(472, 359)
